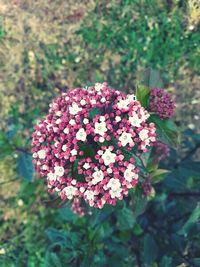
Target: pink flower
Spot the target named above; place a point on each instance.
(84, 144)
(161, 103)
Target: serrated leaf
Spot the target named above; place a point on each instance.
(25, 166)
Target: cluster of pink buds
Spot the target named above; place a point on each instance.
(161, 103)
(86, 144)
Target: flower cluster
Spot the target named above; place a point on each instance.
(85, 144)
(161, 103)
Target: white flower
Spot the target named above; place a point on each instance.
(114, 184)
(73, 152)
(98, 177)
(123, 104)
(129, 175)
(143, 134)
(100, 128)
(58, 113)
(101, 139)
(108, 157)
(131, 98)
(102, 118)
(86, 166)
(70, 191)
(41, 154)
(81, 135)
(66, 130)
(118, 118)
(58, 121)
(74, 109)
(83, 102)
(89, 195)
(115, 193)
(103, 100)
(98, 86)
(64, 148)
(109, 170)
(135, 120)
(51, 176)
(59, 170)
(93, 101)
(126, 138)
(72, 122)
(85, 121)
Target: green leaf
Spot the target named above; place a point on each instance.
(158, 175)
(150, 249)
(125, 219)
(166, 131)
(142, 94)
(25, 166)
(94, 112)
(151, 78)
(166, 262)
(52, 260)
(137, 230)
(194, 217)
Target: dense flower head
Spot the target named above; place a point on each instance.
(161, 103)
(85, 145)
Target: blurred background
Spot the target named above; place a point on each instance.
(48, 46)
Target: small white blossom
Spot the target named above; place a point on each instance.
(118, 118)
(109, 170)
(72, 122)
(41, 154)
(126, 138)
(70, 191)
(123, 104)
(64, 148)
(81, 135)
(103, 100)
(98, 86)
(129, 175)
(59, 170)
(98, 177)
(100, 128)
(143, 134)
(114, 184)
(135, 120)
(74, 109)
(93, 101)
(51, 176)
(86, 166)
(131, 98)
(83, 102)
(101, 139)
(115, 193)
(66, 130)
(89, 195)
(58, 121)
(73, 152)
(58, 113)
(108, 157)
(85, 121)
